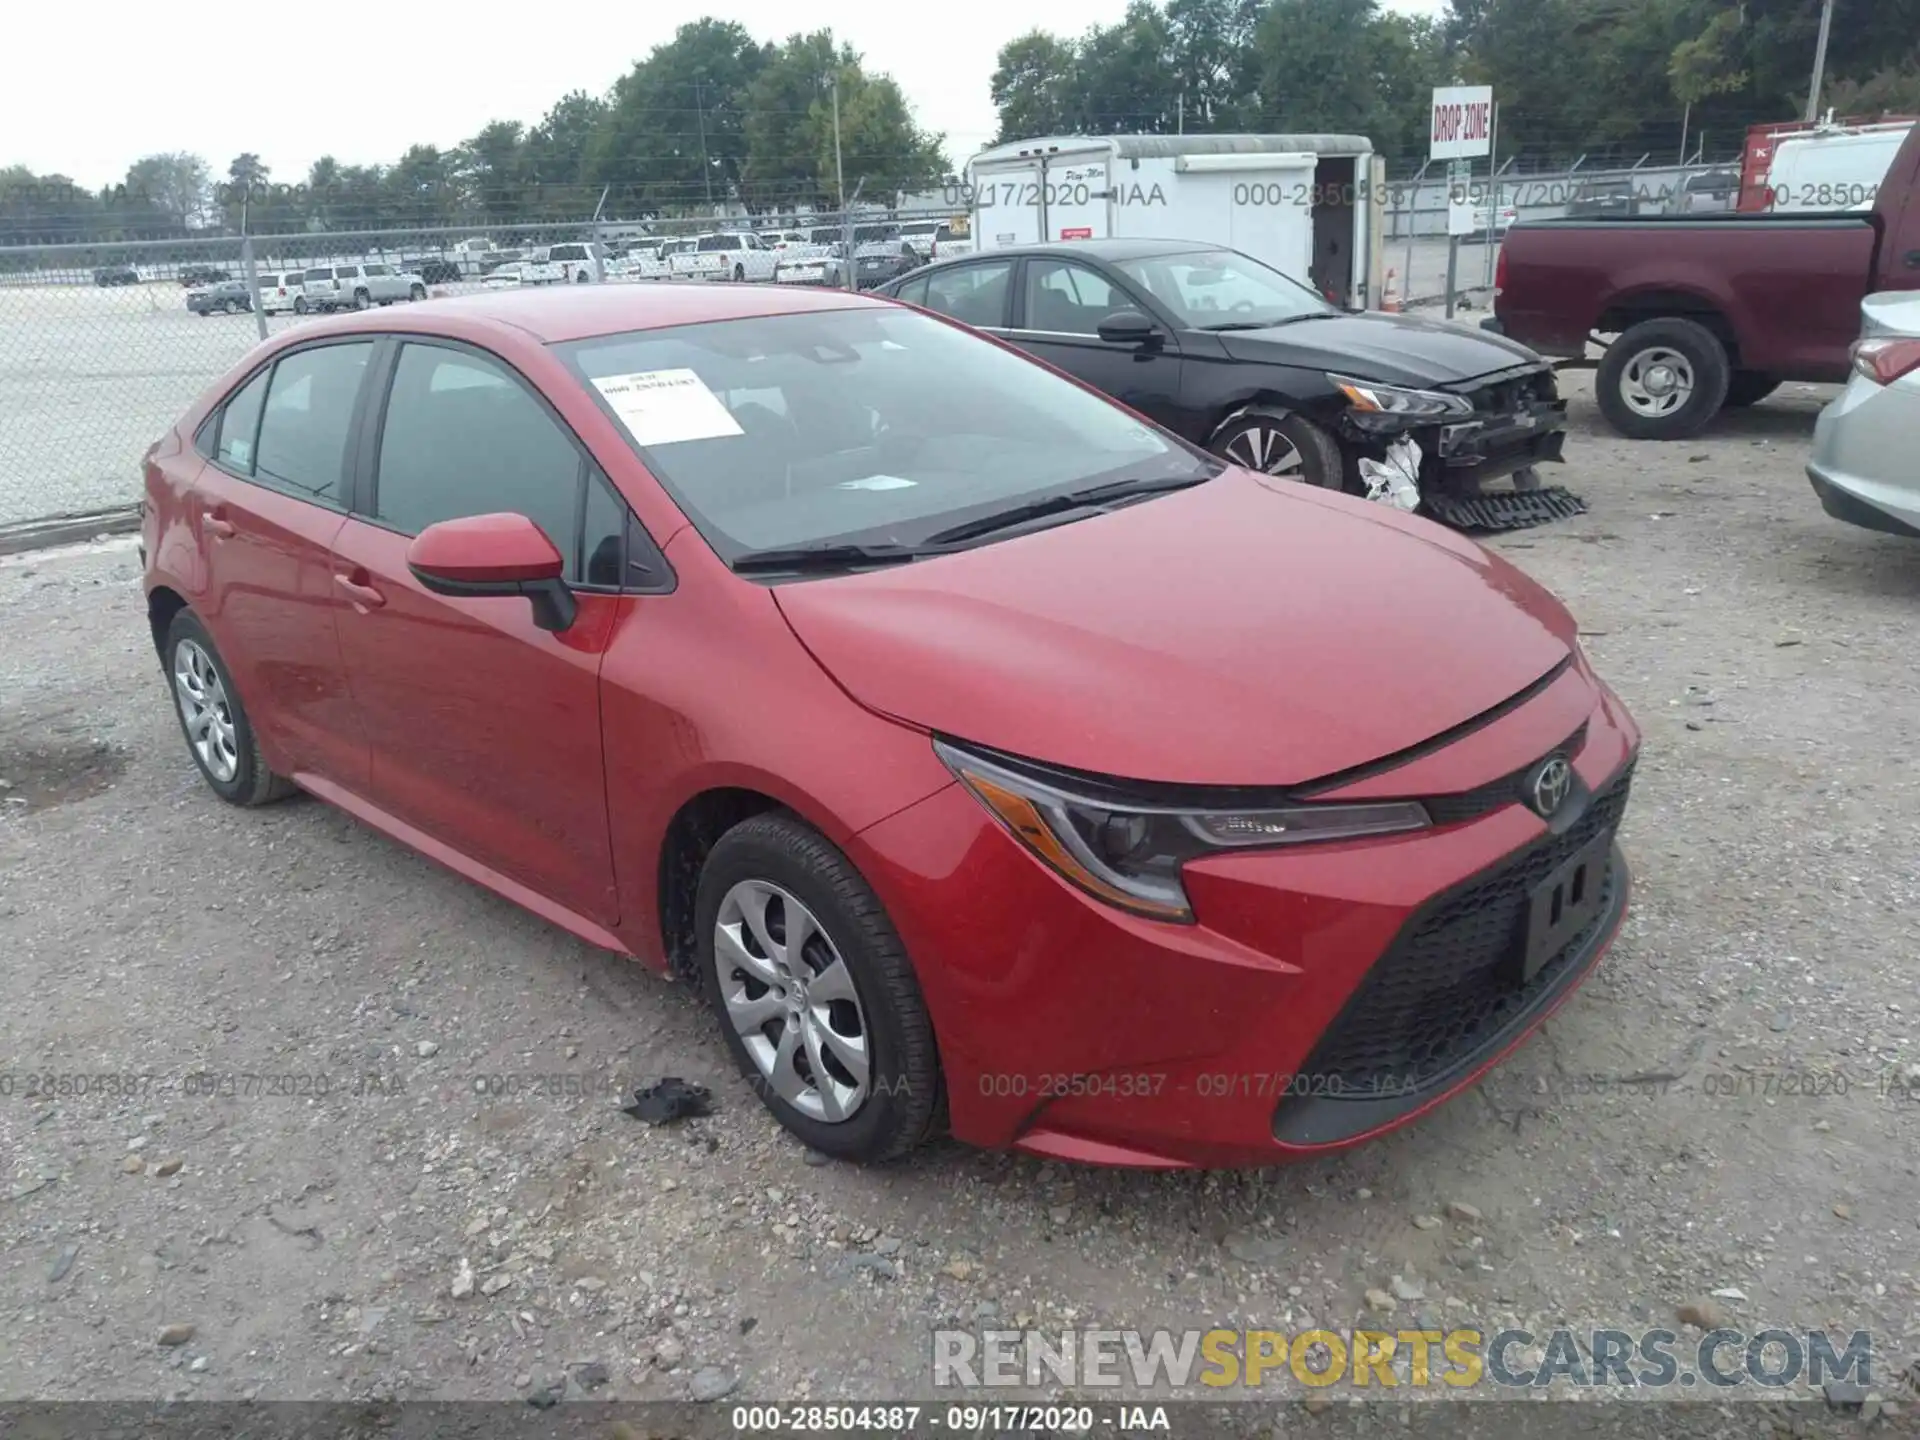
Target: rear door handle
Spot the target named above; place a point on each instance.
(219, 529)
(364, 597)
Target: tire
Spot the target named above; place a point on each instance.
(582, 278)
(739, 273)
(1289, 446)
(1631, 386)
(783, 861)
(1750, 387)
(416, 293)
(300, 305)
(244, 778)
(361, 300)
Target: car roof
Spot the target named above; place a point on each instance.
(1098, 249)
(579, 312)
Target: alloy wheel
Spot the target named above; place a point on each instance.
(791, 998)
(205, 710)
(1266, 449)
(1657, 382)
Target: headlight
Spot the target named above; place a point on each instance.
(1130, 855)
(1392, 400)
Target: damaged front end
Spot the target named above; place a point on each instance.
(1480, 430)
(1432, 447)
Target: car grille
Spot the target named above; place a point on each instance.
(1447, 987)
(1468, 805)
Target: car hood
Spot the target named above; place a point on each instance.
(1245, 632)
(1397, 349)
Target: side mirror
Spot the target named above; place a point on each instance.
(1128, 327)
(495, 555)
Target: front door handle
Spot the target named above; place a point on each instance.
(364, 597)
(219, 529)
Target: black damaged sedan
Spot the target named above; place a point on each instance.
(1232, 355)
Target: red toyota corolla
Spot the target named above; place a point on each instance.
(989, 757)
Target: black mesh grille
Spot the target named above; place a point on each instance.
(1472, 804)
(1446, 987)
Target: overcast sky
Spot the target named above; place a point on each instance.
(219, 77)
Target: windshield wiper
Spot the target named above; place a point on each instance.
(1089, 499)
(1260, 324)
(827, 557)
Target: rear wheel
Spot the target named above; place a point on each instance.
(1750, 387)
(814, 992)
(416, 292)
(1663, 380)
(300, 305)
(582, 278)
(361, 300)
(219, 735)
(739, 272)
(1289, 446)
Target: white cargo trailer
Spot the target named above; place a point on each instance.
(1311, 206)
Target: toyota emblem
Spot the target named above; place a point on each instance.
(1549, 785)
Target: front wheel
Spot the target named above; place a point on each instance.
(814, 992)
(416, 292)
(1663, 380)
(739, 272)
(361, 300)
(300, 305)
(1289, 446)
(218, 732)
(582, 278)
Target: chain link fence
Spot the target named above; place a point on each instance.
(102, 346)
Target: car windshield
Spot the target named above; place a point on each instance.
(869, 426)
(1218, 289)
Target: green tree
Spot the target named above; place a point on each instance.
(493, 168)
(789, 121)
(424, 187)
(1032, 87)
(175, 183)
(1125, 78)
(556, 155)
(675, 133)
(882, 150)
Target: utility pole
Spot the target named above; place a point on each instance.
(1686, 120)
(1180, 124)
(839, 176)
(706, 165)
(1819, 62)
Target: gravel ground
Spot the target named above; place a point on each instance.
(90, 377)
(320, 1227)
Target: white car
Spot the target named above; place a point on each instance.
(821, 265)
(921, 234)
(504, 277)
(725, 255)
(948, 242)
(563, 264)
(338, 287)
(279, 293)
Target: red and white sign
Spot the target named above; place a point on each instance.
(1461, 125)
(1077, 232)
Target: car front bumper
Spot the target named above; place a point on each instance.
(1325, 994)
(1860, 466)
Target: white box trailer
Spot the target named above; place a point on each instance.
(1833, 169)
(1311, 206)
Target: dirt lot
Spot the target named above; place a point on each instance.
(311, 1224)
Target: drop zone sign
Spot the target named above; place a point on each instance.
(1462, 127)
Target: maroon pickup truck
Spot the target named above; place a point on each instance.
(1709, 310)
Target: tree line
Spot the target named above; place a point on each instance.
(714, 118)
(711, 118)
(1601, 79)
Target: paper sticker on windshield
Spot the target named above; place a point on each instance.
(666, 407)
(876, 482)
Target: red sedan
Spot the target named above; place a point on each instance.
(989, 757)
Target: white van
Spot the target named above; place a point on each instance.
(1833, 168)
(1311, 206)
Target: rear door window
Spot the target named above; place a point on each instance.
(240, 425)
(308, 416)
(972, 294)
